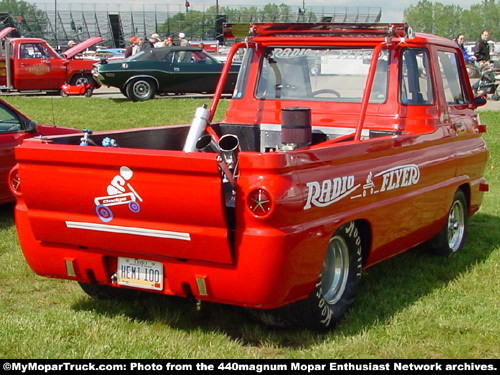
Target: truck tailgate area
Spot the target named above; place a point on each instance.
(137, 203)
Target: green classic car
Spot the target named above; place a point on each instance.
(164, 70)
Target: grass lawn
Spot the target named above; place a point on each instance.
(411, 306)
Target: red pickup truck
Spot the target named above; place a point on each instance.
(31, 64)
(343, 145)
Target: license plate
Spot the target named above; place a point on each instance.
(140, 273)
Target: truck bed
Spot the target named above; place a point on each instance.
(253, 138)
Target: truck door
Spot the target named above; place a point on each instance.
(37, 68)
(194, 71)
(460, 114)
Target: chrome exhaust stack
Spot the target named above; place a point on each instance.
(227, 148)
(229, 145)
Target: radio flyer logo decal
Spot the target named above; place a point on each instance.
(119, 192)
(326, 192)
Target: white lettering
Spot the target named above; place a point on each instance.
(329, 191)
(307, 367)
(400, 176)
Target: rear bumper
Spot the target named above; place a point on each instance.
(268, 270)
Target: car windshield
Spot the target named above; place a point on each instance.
(326, 74)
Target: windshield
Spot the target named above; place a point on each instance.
(326, 74)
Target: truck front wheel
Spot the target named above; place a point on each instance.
(452, 235)
(83, 79)
(335, 290)
(141, 89)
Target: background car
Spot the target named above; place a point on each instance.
(165, 70)
(14, 128)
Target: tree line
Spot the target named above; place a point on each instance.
(450, 20)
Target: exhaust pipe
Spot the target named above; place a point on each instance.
(230, 146)
(207, 144)
(227, 159)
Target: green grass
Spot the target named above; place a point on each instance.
(411, 306)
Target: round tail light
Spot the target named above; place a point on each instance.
(259, 203)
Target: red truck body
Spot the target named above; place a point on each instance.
(30, 64)
(316, 175)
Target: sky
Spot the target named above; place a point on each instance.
(392, 10)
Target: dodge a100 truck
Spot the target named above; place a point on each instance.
(343, 145)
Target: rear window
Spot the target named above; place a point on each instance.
(325, 74)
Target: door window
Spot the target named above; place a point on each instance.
(34, 51)
(9, 122)
(450, 74)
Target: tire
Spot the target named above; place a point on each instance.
(88, 93)
(452, 236)
(141, 89)
(83, 79)
(472, 71)
(334, 292)
(63, 93)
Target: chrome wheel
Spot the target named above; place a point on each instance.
(141, 89)
(335, 271)
(456, 225)
(452, 236)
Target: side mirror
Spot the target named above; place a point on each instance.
(30, 126)
(480, 101)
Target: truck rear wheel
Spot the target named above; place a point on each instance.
(141, 89)
(335, 290)
(452, 235)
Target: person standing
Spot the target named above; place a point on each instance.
(150, 42)
(460, 41)
(169, 41)
(137, 46)
(482, 50)
(182, 40)
(130, 48)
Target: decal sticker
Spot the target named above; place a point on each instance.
(397, 177)
(119, 192)
(329, 191)
(39, 69)
(326, 192)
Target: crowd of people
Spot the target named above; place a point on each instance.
(481, 55)
(153, 41)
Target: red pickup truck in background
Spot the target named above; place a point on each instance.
(31, 64)
(343, 145)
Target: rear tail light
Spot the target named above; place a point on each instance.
(260, 203)
(15, 181)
